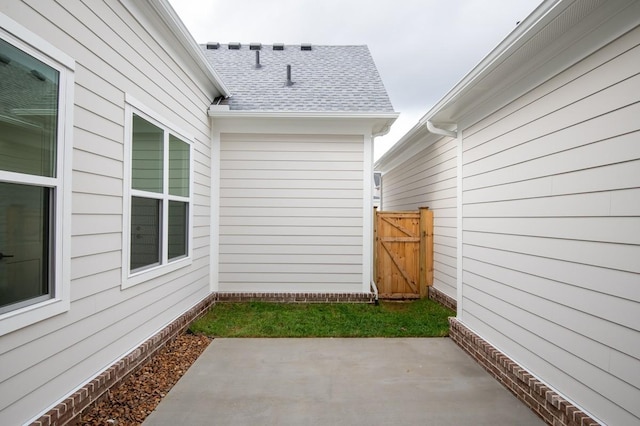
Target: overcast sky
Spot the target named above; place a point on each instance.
(422, 48)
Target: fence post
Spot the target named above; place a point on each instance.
(426, 250)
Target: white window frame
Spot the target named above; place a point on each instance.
(131, 278)
(25, 40)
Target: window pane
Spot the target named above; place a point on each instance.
(147, 156)
(145, 232)
(24, 244)
(177, 229)
(28, 113)
(178, 167)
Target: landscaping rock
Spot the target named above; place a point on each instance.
(132, 401)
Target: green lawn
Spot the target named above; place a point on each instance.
(420, 318)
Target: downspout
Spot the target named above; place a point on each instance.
(375, 291)
(438, 131)
(383, 131)
(452, 134)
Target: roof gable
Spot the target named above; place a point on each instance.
(325, 78)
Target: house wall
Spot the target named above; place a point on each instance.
(429, 179)
(291, 212)
(551, 231)
(114, 55)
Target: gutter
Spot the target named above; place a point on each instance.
(385, 129)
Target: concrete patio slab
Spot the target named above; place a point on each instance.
(413, 381)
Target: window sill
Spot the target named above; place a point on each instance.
(14, 320)
(154, 272)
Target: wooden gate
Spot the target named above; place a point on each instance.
(403, 253)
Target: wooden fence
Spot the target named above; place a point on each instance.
(403, 253)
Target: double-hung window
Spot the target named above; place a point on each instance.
(159, 202)
(36, 95)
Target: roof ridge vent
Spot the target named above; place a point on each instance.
(234, 45)
(278, 46)
(255, 46)
(305, 46)
(213, 45)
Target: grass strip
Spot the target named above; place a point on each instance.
(420, 318)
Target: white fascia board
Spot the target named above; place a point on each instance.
(375, 122)
(301, 114)
(177, 27)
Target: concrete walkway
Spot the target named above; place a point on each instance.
(338, 382)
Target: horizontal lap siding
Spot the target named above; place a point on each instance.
(429, 179)
(291, 213)
(551, 231)
(114, 55)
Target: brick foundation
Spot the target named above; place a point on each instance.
(69, 411)
(297, 297)
(438, 296)
(546, 403)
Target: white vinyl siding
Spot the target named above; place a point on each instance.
(291, 213)
(551, 231)
(429, 180)
(114, 55)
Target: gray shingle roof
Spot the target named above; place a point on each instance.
(326, 79)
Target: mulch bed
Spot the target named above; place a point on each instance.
(132, 401)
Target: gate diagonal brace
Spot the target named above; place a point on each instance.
(404, 273)
(398, 227)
